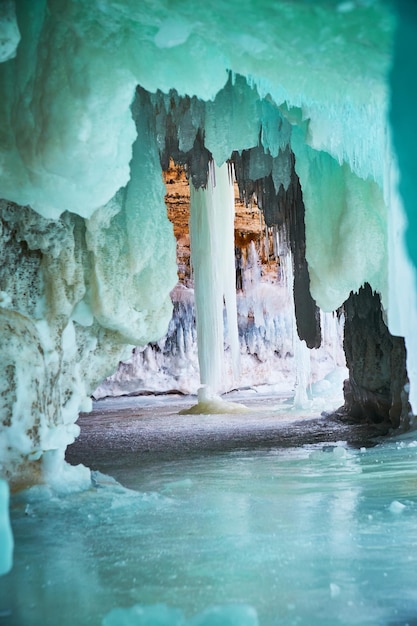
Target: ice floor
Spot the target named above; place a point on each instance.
(316, 533)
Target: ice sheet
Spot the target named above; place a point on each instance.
(303, 533)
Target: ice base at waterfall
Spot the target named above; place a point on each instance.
(318, 535)
(211, 403)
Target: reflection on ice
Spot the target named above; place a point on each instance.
(161, 615)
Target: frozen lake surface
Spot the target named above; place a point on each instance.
(283, 519)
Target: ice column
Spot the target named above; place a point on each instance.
(300, 349)
(303, 372)
(212, 256)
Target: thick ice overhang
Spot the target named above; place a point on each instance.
(67, 130)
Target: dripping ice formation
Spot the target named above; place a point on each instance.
(98, 96)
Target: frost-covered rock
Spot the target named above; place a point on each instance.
(75, 294)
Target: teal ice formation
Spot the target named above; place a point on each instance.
(311, 103)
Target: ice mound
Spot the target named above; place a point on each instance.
(211, 404)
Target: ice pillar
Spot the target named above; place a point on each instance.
(212, 255)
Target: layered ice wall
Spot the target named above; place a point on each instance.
(87, 267)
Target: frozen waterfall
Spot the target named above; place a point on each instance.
(212, 212)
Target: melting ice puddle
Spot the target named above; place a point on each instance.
(315, 535)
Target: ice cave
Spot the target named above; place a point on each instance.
(208, 313)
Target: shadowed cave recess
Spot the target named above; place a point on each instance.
(308, 103)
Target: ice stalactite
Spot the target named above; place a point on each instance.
(402, 312)
(212, 254)
(272, 180)
(303, 374)
(300, 350)
(332, 325)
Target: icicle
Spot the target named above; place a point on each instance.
(300, 349)
(226, 226)
(267, 252)
(275, 241)
(303, 372)
(212, 253)
(252, 271)
(332, 329)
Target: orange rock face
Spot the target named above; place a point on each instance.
(249, 227)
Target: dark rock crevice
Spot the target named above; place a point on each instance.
(285, 209)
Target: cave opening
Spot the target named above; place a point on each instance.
(266, 184)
